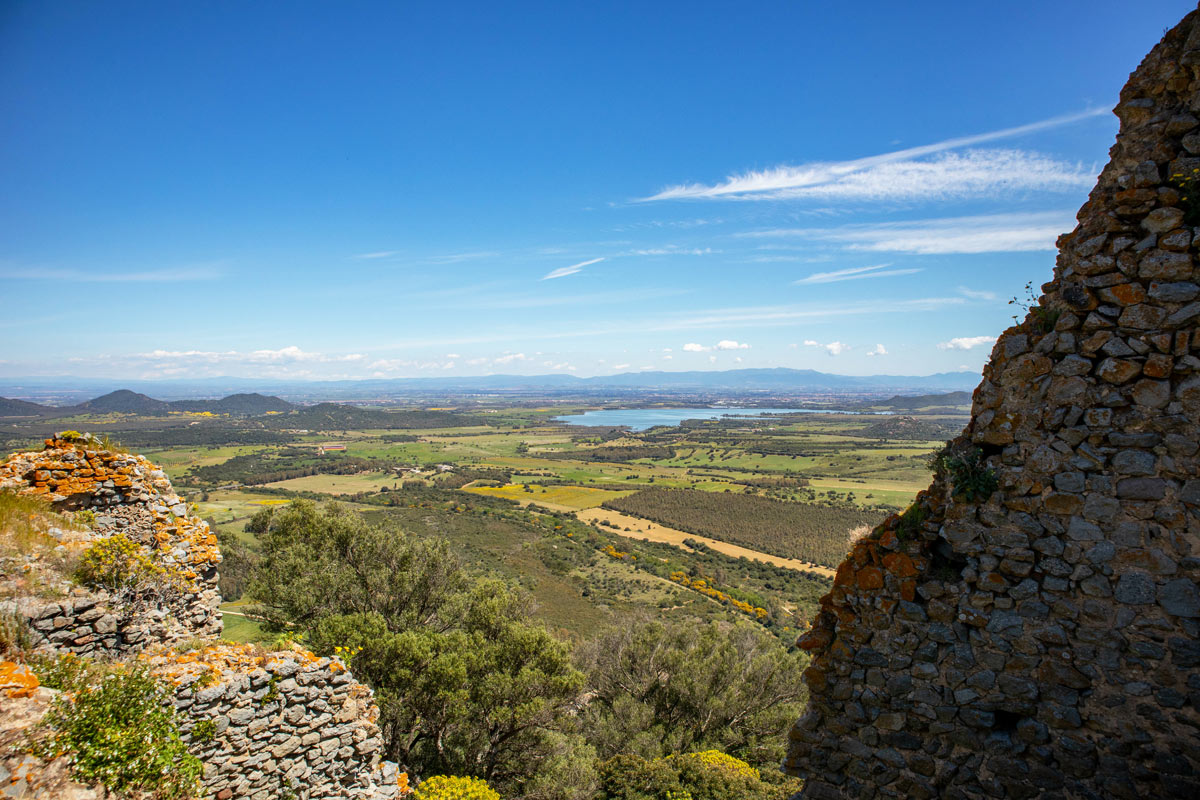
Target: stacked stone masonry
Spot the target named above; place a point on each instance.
(270, 725)
(1045, 641)
(265, 724)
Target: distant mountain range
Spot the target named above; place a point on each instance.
(124, 401)
(780, 380)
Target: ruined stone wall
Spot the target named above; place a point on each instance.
(265, 724)
(269, 725)
(1040, 636)
(126, 494)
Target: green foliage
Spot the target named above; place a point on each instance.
(465, 684)
(969, 476)
(1042, 318)
(453, 787)
(708, 775)
(121, 566)
(117, 726)
(320, 562)
(268, 466)
(661, 689)
(910, 523)
(204, 730)
(237, 564)
(91, 441)
(792, 530)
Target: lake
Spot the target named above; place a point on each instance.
(639, 419)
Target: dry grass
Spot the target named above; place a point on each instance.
(31, 561)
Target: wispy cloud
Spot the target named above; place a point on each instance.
(290, 354)
(966, 342)
(509, 358)
(672, 250)
(724, 344)
(906, 174)
(833, 348)
(457, 258)
(857, 273)
(378, 254)
(976, 294)
(563, 272)
(170, 275)
(985, 233)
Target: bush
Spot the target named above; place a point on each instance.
(122, 567)
(707, 775)
(449, 787)
(969, 476)
(117, 726)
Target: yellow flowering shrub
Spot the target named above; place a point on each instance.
(715, 759)
(122, 567)
(453, 787)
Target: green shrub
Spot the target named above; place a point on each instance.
(117, 726)
(204, 730)
(969, 476)
(911, 521)
(707, 775)
(452, 787)
(122, 567)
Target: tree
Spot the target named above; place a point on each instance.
(465, 685)
(661, 689)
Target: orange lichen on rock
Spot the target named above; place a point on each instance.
(17, 680)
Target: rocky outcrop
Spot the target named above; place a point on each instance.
(1031, 626)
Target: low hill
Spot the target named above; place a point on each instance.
(23, 408)
(239, 405)
(123, 401)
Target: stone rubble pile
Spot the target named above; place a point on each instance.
(1043, 639)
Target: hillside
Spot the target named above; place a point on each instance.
(22, 408)
(123, 401)
(250, 404)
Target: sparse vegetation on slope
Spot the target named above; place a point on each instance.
(792, 530)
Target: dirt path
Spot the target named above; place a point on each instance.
(653, 532)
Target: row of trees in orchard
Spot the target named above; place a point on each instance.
(468, 684)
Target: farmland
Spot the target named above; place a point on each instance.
(596, 523)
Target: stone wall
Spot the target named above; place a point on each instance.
(1043, 638)
(267, 725)
(126, 494)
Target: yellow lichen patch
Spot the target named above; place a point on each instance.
(215, 663)
(17, 680)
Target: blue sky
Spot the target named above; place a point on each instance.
(361, 189)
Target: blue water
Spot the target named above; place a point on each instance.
(639, 419)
